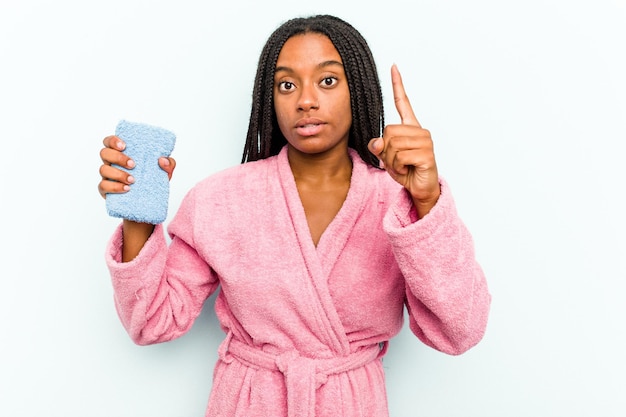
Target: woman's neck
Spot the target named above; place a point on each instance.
(318, 169)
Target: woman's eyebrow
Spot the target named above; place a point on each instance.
(320, 66)
(286, 69)
(329, 63)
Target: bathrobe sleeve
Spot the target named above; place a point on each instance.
(160, 293)
(446, 292)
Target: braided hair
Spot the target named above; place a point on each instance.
(264, 138)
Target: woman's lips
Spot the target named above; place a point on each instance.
(309, 127)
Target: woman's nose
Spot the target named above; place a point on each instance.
(308, 98)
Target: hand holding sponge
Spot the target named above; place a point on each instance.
(147, 199)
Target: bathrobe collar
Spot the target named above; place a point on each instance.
(320, 260)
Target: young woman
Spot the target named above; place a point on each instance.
(315, 248)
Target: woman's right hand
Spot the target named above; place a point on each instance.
(115, 180)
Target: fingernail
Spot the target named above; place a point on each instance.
(130, 163)
(120, 145)
(130, 179)
(166, 162)
(126, 188)
(377, 143)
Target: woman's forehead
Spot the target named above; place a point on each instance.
(308, 49)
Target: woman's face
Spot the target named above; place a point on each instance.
(311, 95)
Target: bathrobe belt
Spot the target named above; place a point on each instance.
(303, 376)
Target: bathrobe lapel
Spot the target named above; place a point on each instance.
(321, 260)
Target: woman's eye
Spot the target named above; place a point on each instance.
(329, 81)
(285, 86)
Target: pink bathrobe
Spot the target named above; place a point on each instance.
(306, 326)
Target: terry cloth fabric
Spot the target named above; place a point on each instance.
(297, 314)
(147, 199)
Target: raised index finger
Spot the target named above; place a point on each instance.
(403, 105)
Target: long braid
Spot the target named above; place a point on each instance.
(364, 96)
(264, 138)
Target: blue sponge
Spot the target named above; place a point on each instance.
(147, 199)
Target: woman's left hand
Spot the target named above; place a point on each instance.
(406, 152)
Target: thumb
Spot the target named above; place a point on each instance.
(376, 146)
(167, 164)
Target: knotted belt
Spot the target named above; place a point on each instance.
(303, 376)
